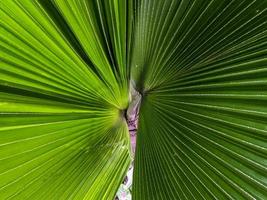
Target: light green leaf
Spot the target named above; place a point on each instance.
(62, 134)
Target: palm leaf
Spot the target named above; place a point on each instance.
(65, 73)
(202, 72)
(62, 135)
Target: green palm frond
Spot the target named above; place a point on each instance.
(202, 71)
(66, 69)
(62, 134)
